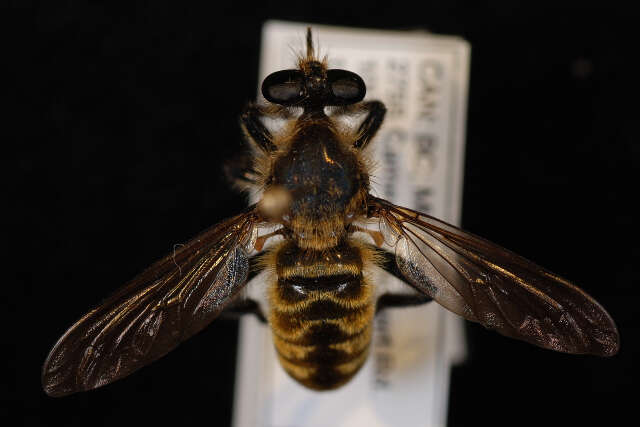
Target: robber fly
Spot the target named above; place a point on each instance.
(319, 233)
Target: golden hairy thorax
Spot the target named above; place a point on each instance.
(321, 312)
(325, 178)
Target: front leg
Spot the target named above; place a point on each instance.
(255, 131)
(370, 125)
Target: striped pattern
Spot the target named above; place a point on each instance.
(321, 325)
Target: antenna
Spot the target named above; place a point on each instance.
(310, 50)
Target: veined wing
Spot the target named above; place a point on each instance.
(164, 305)
(485, 283)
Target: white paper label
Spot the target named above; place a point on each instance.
(422, 79)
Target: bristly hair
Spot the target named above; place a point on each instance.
(309, 56)
(310, 51)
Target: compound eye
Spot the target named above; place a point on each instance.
(284, 87)
(346, 87)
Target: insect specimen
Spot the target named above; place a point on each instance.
(318, 233)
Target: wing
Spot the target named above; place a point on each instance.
(485, 283)
(166, 304)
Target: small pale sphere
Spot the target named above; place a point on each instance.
(275, 202)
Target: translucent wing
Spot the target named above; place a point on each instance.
(166, 304)
(485, 283)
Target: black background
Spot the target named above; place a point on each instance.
(121, 117)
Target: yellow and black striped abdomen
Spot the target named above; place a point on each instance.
(321, 312)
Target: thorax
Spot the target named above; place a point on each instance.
(326, 181)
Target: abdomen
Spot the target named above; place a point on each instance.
(321, 312)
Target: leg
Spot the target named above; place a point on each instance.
(371, 123)
(239, 171)
(398, 297)
(242, 307)
(253, 127)
(391, 300)
(247, 302)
